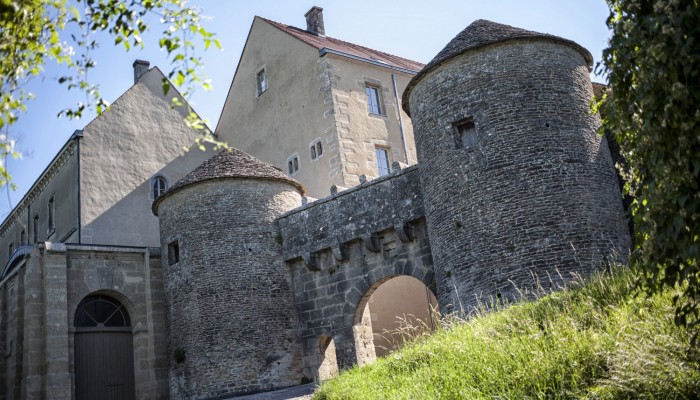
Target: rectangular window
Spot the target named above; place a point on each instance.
(293, 165)
(23, 238)
(35, 229)
(11, 249)
(465, 133)
(374, 99)
(261, 79)
(316, 149)
(173, 252)
(51, 221)
(382, 161)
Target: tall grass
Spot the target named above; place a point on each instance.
(594, 341)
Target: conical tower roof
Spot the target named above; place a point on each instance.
(229, 164)
(482, 33)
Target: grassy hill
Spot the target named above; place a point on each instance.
(594, 341)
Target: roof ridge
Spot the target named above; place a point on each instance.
(284, 27)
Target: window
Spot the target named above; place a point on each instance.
(173, 252)
(35, 229)
(374, 99)
(261, 80)
(11, 249)
(23, 238)
(158, 185)
(382, 161)
(316, 149)
(293, 165)
(465, 133)
(51, 221)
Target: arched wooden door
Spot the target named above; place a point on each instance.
(104, 352)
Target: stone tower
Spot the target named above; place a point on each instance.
(517, 182)
(230, 309)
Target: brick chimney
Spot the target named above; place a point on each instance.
(314, 21)
(140, 68)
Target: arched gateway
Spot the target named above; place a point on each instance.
(104, 354)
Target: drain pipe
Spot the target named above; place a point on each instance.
(398, 106)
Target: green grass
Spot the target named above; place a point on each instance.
(595, 341)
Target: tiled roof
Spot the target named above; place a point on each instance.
(230, 164)
(321, 42)
(481, 33)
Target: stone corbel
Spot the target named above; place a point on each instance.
(340, 252)
(311, 262)
(371, 242)
(404, 232)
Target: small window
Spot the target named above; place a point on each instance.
(159, 186)
(51, 221)
(382, 161)
(35, 228)
(261, 79)
(10, 249)
(316, 149)
(23, 238)
(173, 252)
(465, 133)
(293, 165)
(374, 99)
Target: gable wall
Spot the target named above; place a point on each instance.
(290, 115)
(120, 151)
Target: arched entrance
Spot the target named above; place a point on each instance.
(104, 355)
(391, 311)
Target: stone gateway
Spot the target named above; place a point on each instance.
(239, 283)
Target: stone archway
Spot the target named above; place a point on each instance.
(391, 311)
(103, 350)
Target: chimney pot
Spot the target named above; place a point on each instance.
(314, 21)
(140, 68)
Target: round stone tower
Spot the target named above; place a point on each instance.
(232, 325)
(519, 187)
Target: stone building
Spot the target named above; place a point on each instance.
(247, 285)
(309, 93)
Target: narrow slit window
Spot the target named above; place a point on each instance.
(35, 228)
(23, 237)
(173, 252)
(51, 220)
(465, 133)
(261, 79)
(11, 249)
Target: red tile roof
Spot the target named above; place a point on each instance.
(321, 42)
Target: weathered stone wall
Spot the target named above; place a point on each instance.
(39, 301)
(535, 194)
(230, 302)
(340, 249)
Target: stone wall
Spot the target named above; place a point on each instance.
(340, 249)
(230, 305)
(532, 198)
(39, 301)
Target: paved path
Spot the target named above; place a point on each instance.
(301, 392)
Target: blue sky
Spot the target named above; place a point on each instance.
(413, 29)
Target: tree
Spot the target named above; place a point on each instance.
(34, 32)
(653, 107)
